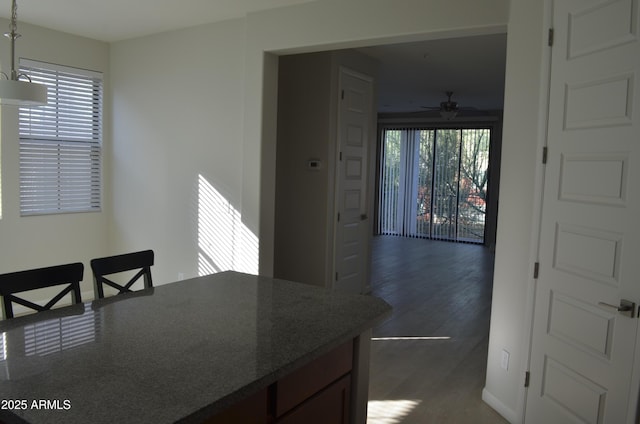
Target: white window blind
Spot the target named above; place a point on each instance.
(60, 143)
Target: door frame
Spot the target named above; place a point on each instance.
(536, 226)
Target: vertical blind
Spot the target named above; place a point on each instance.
(433, 183)
(60, 143)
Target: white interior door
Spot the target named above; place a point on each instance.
(352, 232)
(583, 351)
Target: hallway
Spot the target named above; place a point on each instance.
(428, 360)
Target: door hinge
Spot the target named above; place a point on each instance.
(527, 376)
(536, 270)
(545, 152)
(336, 276)
(340, 156)
(338, 216)
(342, 95)
(550, 39)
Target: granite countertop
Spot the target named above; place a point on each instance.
(176, 353)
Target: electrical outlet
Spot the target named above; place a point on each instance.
(504, 360)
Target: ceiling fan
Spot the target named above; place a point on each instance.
(449, 109)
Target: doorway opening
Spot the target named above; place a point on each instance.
(409, 79)
(304, 187)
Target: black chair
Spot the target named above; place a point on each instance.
(69, 275)
(141, 261)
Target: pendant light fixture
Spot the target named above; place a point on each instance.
(13, 91)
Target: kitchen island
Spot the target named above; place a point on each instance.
(228, 347)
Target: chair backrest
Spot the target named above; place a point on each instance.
(141, 261)
(68, 275)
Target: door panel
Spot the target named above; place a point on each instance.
(582, 350)
(588, 35)
(352, 230)
(594, 178)
(582, 325)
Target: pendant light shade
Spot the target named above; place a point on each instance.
(22, 93)
(14, 91)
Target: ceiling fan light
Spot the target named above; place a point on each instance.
(449, 109)
(22, 93)
(448, 114)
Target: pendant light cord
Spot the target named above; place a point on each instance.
(13, 35)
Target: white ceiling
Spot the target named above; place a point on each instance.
(115, 20)
(411, 75)
(414, 75)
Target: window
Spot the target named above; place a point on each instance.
(433, 183)
(60, 143)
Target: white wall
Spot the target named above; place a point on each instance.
(302, 195)
(177, 153)
(523, 132)
(37, 241)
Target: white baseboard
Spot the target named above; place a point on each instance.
(508, 413)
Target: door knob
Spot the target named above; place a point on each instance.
(626, 307)
(363, 217)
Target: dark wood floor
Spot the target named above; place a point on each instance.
(428, 360)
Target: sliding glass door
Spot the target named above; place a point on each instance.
(474, 180)
(433, 183)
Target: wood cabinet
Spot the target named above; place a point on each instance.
(331, 405)
(319, 392)
(253, 410)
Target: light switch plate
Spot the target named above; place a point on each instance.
(504, 360)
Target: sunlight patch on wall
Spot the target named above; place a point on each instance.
(224, 242)
(0, 175)
(389, 411)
